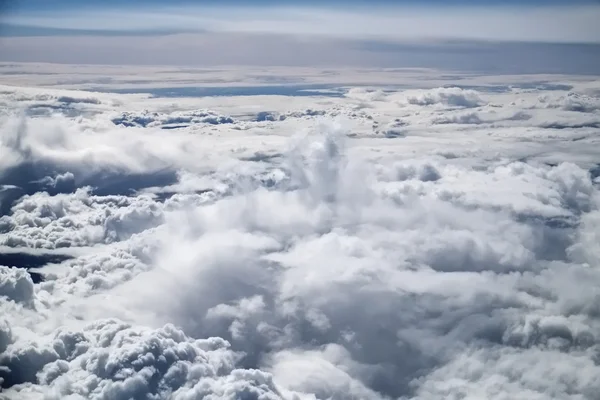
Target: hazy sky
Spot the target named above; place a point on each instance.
(355, 32)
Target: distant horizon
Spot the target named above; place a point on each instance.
(256, 50)
(534, 36)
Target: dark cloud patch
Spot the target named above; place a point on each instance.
(34, 177)
(31, 261)
(265, 116)
(595, 172)
(262, 157)
(575, 125)
(108, 183)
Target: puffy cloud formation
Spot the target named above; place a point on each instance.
(572, 102)
(111, 359)
(385, 245)
(16, 286)
(451, 96)
(78, 219)
(170, 121)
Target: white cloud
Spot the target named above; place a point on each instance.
(514, 373)
(78, 219)
(572, 102)
(452, 96)
(326, 373)
(451, 260)
(16, 285)
(110, 359)
(174, 120)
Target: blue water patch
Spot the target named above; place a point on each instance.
(203, 91)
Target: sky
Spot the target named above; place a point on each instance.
(257, 32)
(546, 21)
(183, 224)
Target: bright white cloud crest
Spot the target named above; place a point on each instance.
(412, 244)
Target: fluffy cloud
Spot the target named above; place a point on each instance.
(325, 265)
(451, 96)
(78, 219)
(572, 102)
(170, 121)
(110, 359)
(514, 373)
(378, 283)
(16, 286)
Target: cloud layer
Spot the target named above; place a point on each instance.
(385, 244)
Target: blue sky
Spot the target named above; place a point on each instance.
(526, 20)
(28, 7)
(58, 4)
(233, 31)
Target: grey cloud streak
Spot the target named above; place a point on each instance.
(268, 49)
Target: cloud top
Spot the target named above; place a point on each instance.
(389, 243)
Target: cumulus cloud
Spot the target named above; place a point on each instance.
(78, 219)
(451, 96)
(571, 102)
(61, 182)
(272, 287)
(16, 285)
(324, 264)
(467, 118)
(366, 95)
(110, 359)
(170, 121)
